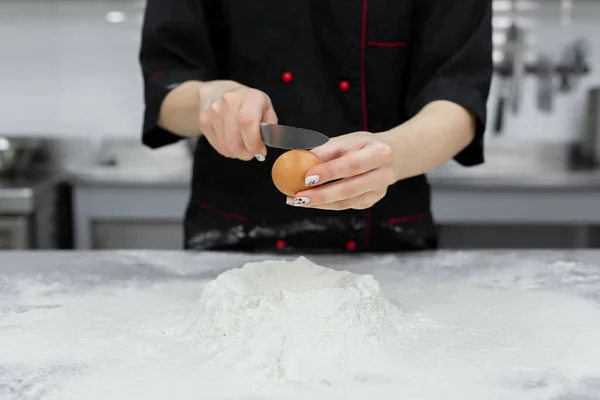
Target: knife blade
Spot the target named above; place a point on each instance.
(289, 137)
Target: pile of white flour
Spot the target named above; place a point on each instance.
(296, 321)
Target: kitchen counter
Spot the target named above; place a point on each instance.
(496, 325)
(496, 193)
(485, 177)
(520, 184)
(510, 165)
(178, 176)
(531, 181)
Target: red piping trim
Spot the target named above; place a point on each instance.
(406, 219)
(388, 44)
(156, 75)
(363, 88)
(363, 81)
(220, 212)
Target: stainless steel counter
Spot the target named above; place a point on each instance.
(473, 179)
(520, 184)
(139, 176)
(520, 166)
(486, 179)
(493, 325)
(524, 187)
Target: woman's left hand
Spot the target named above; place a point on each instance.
(363, 164)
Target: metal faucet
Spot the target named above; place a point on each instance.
(100, 154)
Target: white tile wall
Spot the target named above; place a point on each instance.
(66, 71)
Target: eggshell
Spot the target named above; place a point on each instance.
(289, 170)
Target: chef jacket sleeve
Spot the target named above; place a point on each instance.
(451, 59)
(175, 48)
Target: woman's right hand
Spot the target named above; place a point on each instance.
(230, 117)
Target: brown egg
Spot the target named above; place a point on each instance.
(289, 170)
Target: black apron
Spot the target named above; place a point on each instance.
(335, 66)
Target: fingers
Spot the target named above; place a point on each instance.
(372, 156)
(232, 103)
(207, 128)
(209, 133)
(362, 166)
(250, 116)
(232, 123)
(352, 164)
(360, 202)
(217, 123)
(342, 193)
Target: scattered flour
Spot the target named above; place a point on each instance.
(504, 328)
(297, 321)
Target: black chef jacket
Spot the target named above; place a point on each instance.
(335, 66)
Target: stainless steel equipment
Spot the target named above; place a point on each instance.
(16, 154)
(590, 145)
(516, 54)
(545, 81)
(34, 212)
(511, 81)
(513, 69)
(515, 59)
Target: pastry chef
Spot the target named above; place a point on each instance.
(399, 85)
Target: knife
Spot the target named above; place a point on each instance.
(289, 137)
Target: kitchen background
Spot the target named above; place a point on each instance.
(74, 173)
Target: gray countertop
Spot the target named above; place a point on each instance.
(461, 179)
(489, 179)
(496, 325)
(510, 166)
(139, 176)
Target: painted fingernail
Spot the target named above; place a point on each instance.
(259, 157)
(289, 201)
(311, 180)
(301, 201)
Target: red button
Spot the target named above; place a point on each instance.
(280, 244)
(344, 86)
(287, 77)
(350, 245)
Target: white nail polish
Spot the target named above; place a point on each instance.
(259, 157)
(311, 180)
(289, 201)
(301, 201)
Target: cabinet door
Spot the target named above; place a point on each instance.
(137, 235)
(70, 67)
